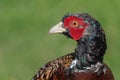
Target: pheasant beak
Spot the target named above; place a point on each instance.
(57, 28)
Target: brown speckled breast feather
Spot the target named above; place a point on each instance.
(51, 68)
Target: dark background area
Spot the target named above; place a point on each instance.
(25, 44)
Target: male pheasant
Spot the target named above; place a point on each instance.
(86, 62)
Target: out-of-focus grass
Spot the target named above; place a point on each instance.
(24, 41)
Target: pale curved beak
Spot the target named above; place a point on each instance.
(57, 28)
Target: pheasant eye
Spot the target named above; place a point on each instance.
(74, 24)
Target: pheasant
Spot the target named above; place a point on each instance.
(86, 62)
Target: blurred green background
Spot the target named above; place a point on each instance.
(25, 45)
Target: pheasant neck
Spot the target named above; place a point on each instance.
(90, 50)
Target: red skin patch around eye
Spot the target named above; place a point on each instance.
(75, 32)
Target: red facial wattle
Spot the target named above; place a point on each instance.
(77, 30)
(76, 33)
